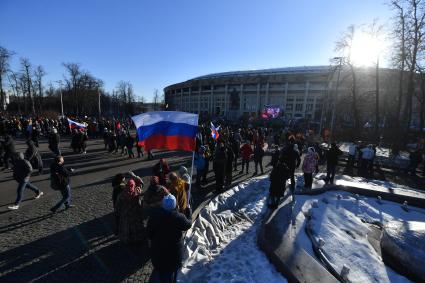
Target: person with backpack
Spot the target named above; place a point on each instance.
(60, 181)
(33, 156)
(21, 173)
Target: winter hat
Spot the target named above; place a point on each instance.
(182, 170)
(311, 149)
(169, 202)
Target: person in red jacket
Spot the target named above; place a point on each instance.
(246, 152)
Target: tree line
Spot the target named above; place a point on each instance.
(80, 92)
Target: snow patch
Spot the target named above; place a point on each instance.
(342, 220)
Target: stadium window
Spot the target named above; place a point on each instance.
(299, 107)
(309, 107)
(289, 107)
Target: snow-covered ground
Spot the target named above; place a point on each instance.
(222, 246)
(343, 222)
(383, 156)
(222, 243)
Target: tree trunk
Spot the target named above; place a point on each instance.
(377, 114)
(2, 96)
(354, 100)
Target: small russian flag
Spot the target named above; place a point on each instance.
(214, 131)
(76, 125)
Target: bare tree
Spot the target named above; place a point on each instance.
(74, 72)
(415, 40)
(39, 73)
(399, 56)
(15, 85)
(26, 69)
(344, 45)
(156, 99)
(5, 56)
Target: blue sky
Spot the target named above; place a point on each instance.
(156, 43)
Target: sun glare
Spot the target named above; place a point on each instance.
(365, 49)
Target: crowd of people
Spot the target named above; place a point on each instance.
(161, 211)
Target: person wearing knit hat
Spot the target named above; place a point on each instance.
(169, 202)
(129, 214)
(165, 229)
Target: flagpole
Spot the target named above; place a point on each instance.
(191, 179)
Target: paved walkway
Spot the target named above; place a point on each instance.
(76, 245)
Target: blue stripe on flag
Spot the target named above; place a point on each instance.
(167, 129)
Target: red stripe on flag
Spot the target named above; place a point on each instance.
(170, 143)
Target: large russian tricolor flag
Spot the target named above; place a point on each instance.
(167, 129)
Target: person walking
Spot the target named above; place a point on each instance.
(21, 173)
(309, 166)
(246, 152)
(368, 155)
(258, 158)
(165, 229)
(130, 145)
(54, 140)
(60, 181)
(332, 160)
(9, 151)
(33, 156)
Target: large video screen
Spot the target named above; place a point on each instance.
(270, 112)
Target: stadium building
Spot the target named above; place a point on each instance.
(299, 92)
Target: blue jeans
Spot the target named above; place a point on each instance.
(66, 198)
(21, 187)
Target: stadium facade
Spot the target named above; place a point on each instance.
(300, 92)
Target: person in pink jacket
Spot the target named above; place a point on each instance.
(309, 166)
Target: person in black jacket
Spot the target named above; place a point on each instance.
(332, 160)
(164, 229)
(229, 164)
(9, 151)
(54, 140)
(258, 158)
(130, 145)
(60, 180)
(33, 156)
(219, 167)
(292, 159)
(278, 177)
(21, 173)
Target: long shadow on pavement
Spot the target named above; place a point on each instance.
(88, 252)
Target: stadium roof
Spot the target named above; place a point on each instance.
(275, 71)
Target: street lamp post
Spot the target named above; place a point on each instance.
(336, 93)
